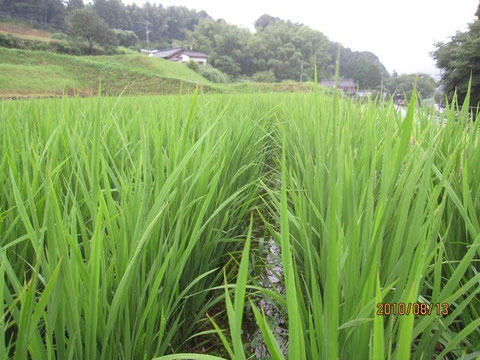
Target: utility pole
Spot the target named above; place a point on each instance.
(146, 32)
(301, 71)
(381, 89)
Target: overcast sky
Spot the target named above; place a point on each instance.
(401, 33)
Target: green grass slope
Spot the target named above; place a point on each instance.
(37, 73)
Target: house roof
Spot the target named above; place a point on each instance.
(195, 54)
(166, 53)
(176, 52)
(341, 83)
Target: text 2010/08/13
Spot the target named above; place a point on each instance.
(416, 308)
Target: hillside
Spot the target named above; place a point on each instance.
(25, 73)
(38, 73)
(278, 49)
(24, 30)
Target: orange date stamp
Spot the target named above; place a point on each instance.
(416, 308)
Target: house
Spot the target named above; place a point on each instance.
(178, 54)
(346, 85)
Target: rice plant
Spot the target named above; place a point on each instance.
(112, 211)
(129, 228)
(375, 208)
(372, 205)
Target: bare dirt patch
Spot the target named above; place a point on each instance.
(23, 30)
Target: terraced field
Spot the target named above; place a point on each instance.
(25, 73)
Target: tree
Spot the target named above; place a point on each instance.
(362, 66)
(459, 60)
(370, 78)
(9, 7)
(403, 84)
(51, 12)
(126, 38)
(225, 44)
(74, 4)
(112, 12)
(227, 65)
(285, 45)
(263, 21)
(85, 23)
(180, 20)
(280, 47)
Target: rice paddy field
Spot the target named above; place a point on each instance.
(136, 228)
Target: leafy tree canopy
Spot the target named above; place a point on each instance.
(404, 84)
(74, 4)
(280, 47)
(113, 12)
(263, 21)
(459, 60)
(85, 23)
(362, 66)
(50, 12)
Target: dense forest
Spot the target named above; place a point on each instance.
(278, 50)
